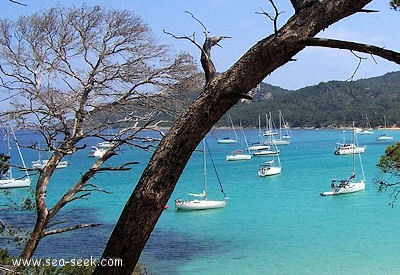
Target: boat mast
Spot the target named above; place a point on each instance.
(20, 153)
(245, 139)
(205, 169)
(354, 148)
(232, 126)
(9, 154)
(280, 124)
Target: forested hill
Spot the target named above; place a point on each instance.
(328, 104)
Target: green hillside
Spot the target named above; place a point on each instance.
(328, 104)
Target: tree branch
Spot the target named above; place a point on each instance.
(353, 46)
(19, 3)
(209, 42)
(70, 228)
(273, 18)
(383, 186)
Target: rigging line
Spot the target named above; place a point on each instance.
(215, 169)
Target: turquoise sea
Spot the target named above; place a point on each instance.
(271, 225)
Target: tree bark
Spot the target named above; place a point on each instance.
(158, 180)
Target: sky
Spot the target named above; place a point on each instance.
(238, 20)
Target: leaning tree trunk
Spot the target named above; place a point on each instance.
(42, 212)
(158, 180)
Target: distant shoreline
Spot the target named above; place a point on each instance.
(395, 127)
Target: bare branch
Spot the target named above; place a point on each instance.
(209, 42)
(274, 18)
(359, 47)
(198, 21)
(19, 3)
(395, 187)
(70, 228)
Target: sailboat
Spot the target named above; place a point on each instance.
(281, 140)
(368, 130)
(239, 154)
(384, 137)
(200, 201)
(348, 148)
(271, 167)
(229, 140)
(268, 151)
(41, 163)
(261, 144)
(350, 184)
(7, 180)
(97, 152)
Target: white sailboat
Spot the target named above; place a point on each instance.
(97, 152)
(351, 184)
(201, 202)
(229, 140)
(105, 144)
(384, 137)
(288, 133)
(368, 130)
(239, 154)
(271, 129)
(268, 151)
(260, 145)
(284, 139)
(7, 180)
(271, 167)
(348, 148)
(41, 163)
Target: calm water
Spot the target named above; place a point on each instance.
(271, 225)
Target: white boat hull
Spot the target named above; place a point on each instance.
(383, 138)
(15, 183)
(349, 150)
(227, 141)
(348, 188)
(366, 132)
(40, 164)
(259, 147)
(97, 152)
(105, 144)
(238, 157)
(199, 204)
(269, 171)
(265, 153)
(279, 142)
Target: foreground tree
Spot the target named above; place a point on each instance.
(389, 164)
(220, 93)
(74, 73)
(395, 4)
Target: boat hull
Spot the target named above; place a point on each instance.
(265, 153)
(383, 138)
(346, 189)
(97, 152)
(259, 147)
(227, 141)
(238, 157)
(269, 171)
(40, 164)
(279, 142)
(349, 150)
(198, 204)
(15, 183)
